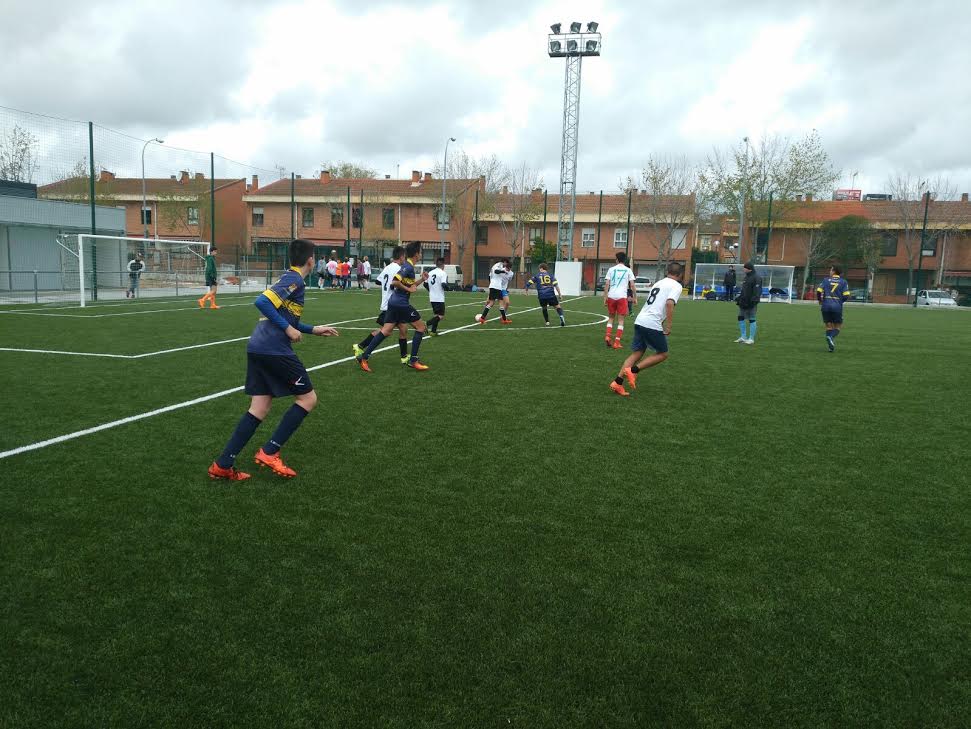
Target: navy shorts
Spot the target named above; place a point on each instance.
(381, 317)
(211, 281)
(645, 338)
(551, 301)
(832, 316)
(495, 295)
(438, 307)
(402, 315)
(278, 375)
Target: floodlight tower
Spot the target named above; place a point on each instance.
(573, 46)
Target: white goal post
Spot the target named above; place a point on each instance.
(709, 281)
(169, 264)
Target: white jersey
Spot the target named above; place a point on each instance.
(367, 268)
(616, 281)
(385, 279)
(507, 277)
(332, 267)
(497, 277)
(655, 308)
(436, 285)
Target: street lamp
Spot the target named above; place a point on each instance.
(441, 219)
(741, 222)
(144, 216)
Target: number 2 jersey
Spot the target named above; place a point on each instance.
(832, 292)
(655, 309)
(386, 277)
(287, 295)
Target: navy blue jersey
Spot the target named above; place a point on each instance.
(287, 295)
(832, 292)
(544, 284)
(406, 274)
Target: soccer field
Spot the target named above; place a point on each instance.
(769, 535)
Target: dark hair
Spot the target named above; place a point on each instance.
(397, 251)
(212, 249)
(675, 268)
(300, 251)
(837, 270)
(544, 266)
(412, 248)
(439, 261)
(621, 257)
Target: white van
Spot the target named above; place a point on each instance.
(454, 273)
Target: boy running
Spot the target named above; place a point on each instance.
(400, 310)
(437, 285)
(273, 370)
(547, 289)
(618, 286)
(831, 293)
(385, 278)
(651, 329)
(211, 280)
(499, 277)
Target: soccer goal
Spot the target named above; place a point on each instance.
(709, 281)
(100, 262)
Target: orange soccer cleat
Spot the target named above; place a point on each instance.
(619, 389)
(631, 378)
(416, 365)
(274, 463)
(617, 344)
(202, 302)
(230, 474)
(363, 364)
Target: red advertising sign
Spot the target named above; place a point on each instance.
(847, 195)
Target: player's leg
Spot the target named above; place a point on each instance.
(420, 329)
(290, 377)
(742, 328)
(438, 309)
(752, 326)
(378, 338)
(546, 312)
(618, 383)
(362, 345)
(504, 307)
(494, 296)
(559, 311)
(403, 343)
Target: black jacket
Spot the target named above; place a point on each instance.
(730, 277)
(751, 290)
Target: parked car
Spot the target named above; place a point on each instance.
(642, 284)
(935, 298)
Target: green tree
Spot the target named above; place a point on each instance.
(348, 170)
(541, 251)
(852, 240)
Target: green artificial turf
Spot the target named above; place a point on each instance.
(760, 536)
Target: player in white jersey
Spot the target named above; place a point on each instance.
(618, 286)
(651, 329)
(437, 285)
(367, 273)
(499, 277)
(384, 279)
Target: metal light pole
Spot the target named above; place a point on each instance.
(145, 217)
(441, 218)
(573, 46)
(920, 253)
(741, 220)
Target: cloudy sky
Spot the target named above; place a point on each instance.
(278, 82)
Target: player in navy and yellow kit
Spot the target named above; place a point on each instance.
(547, 289)
(831, 293)
(273, 370)
(400, 310)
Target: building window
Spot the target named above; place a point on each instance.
(192, 215)
(387, 218)
(620, 238)
(481, 234)
(444, 218)
(889, 248)
(356, 217)
(146, 216)
(705, 243)
(929, 247)
(678, 238)
(337, 217)
(257, 217)
(307, 217)
(535, 233)
(588, 236)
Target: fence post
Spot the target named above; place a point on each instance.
(36, 301)
(94, 231)
(176, 283)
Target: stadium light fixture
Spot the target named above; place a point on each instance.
(556, 28)
(592, 26)
(145, 217)
(441, 218)
(575, 27)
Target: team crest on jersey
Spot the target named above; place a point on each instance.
(291, 288)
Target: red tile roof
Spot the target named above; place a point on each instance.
(313, 187)
(879, 212)
(133, 186)
(589, 203)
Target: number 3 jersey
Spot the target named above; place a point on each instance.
(436, 285)
(655, 311)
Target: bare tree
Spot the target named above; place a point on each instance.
(817, 248)
(348, 170)
(668, 205)
(18, 155)
(908, 193)
(518, 207)
(774, 165)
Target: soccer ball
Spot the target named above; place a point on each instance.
(478, 317)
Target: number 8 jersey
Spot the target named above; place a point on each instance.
(655, 308)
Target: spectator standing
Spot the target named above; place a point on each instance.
(730, 284)
(135, 268)
(748, 301)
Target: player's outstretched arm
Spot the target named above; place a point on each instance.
(668, 316)
(322, 331)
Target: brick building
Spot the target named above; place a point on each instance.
(946, 261)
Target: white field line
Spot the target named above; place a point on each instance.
(183, 349)
(196, 401)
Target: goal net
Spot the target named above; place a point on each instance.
(171, 267)
(709, 281)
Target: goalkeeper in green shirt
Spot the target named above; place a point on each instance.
(211, 280)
